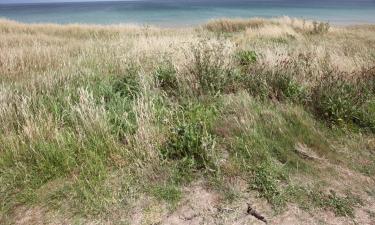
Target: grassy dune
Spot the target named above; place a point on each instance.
(126, 124)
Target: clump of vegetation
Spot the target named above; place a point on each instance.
(190, 140)
(212, 67)
(265, 181)
(246, 58)
(167, 192)
(227, 25)
(338, 99)
(165, 76)
(342, 206)
(277, 86)
(310, 198)
(127, 85)
(320, 27)
(365, 117)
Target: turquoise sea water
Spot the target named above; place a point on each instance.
(189, 12)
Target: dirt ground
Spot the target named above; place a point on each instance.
(201, 206)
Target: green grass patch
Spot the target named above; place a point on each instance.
(168, 193)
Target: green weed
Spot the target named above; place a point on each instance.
(190, 140)
(127, 85)
(246, 58)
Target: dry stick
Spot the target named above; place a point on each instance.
(254, 213)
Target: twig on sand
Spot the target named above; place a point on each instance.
(253, 212)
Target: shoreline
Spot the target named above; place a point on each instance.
(188, 13)
(184, 26)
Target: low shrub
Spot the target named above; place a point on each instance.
(166, 79)
(337, 99)
(190, 140)
(274, 85)
(127, 85)
(211, 67)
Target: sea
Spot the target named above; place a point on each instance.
(174, 13)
